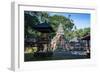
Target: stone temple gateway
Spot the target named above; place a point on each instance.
(59, 42)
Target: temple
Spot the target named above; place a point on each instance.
(59, 42)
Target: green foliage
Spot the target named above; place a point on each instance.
(77, 33)
(57, 19)
(30, 20)
(33, 18)
(70, 35)
(82, 32)
(66, 22)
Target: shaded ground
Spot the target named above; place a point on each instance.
(57, 55)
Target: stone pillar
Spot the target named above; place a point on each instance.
(45, 47)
